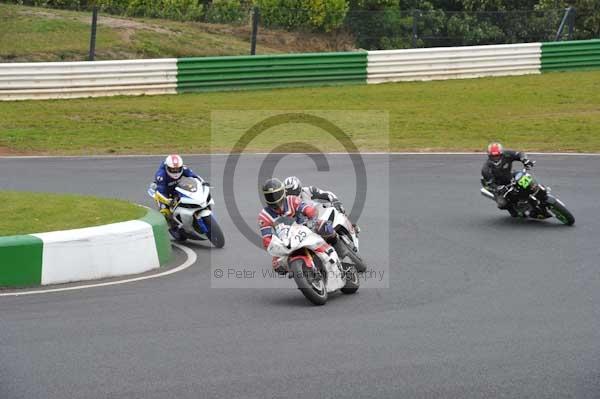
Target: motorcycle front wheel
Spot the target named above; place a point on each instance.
(310, 281)
(215, 234)
(352, 281)
(562, 213)
(361, 267)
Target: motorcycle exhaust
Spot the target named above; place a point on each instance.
(486, 193)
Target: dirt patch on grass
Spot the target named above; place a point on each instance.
(283, 40)
(7, 151)
(47, 15)
(129, 24)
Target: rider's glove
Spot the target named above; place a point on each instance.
(337, 204)
(528, 163)
(326, 229)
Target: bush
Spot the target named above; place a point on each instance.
(113, 6)
(226, 11)
(316, 15)
(182, 10)
(67, 4)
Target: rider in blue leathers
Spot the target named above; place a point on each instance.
(166, 178)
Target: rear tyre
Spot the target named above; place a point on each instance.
(178, 235)
(215, 234)
(562, 213)
(310, 281)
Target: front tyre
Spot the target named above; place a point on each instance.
(352, 281)
(215, 234)
(361, 267)
(310, 281)
(562, 213)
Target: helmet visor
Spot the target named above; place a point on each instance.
(495, 157)
(274, 197)
(292, 190)
(175, 170)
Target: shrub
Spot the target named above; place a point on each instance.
(226, 11)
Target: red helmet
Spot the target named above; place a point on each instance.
(495, 152)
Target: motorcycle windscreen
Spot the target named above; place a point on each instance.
(188, 184)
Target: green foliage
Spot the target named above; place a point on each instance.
(181, 10)
(472, 31)
(113, 6)
(226, 11)
(62, 4)
(587, 19)
(317, 15)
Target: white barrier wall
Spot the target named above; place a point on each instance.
(98, 252)
(22, 81)
(453, 62)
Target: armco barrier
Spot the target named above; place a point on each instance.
(453, 62)
(21, 81)
(91, 253)
(169, 76)
(268, 71)
(571, 55)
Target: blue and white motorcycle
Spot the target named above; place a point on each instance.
(192, 211)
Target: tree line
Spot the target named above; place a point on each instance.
(376, 24)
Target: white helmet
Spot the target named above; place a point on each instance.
(293, 185)
(174, 166)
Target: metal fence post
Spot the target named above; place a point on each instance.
(92, 54)
(255, 16)
(566, 17)
(415, 33)
(571, 22)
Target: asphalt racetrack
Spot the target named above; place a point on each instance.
(475, 304)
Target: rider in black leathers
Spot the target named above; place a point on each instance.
(497, 172)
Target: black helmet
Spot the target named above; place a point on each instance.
(274, 192)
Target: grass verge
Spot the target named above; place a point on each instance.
(40, 34)
(549, 112)
(25, 213)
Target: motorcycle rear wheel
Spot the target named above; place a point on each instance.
(310, 282)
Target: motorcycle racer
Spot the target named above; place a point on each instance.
(293, 186)
(280, 204)
(166, 178)
(497, 172)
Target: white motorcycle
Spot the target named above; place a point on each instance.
(192, 211)
(312, 263)
(346, 231)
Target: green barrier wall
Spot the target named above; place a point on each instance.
(20, 261)
(269, 71)
(161, 235)
(571, 55)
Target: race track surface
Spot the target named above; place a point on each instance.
(478, 304)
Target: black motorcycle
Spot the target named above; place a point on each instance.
(529, 199)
